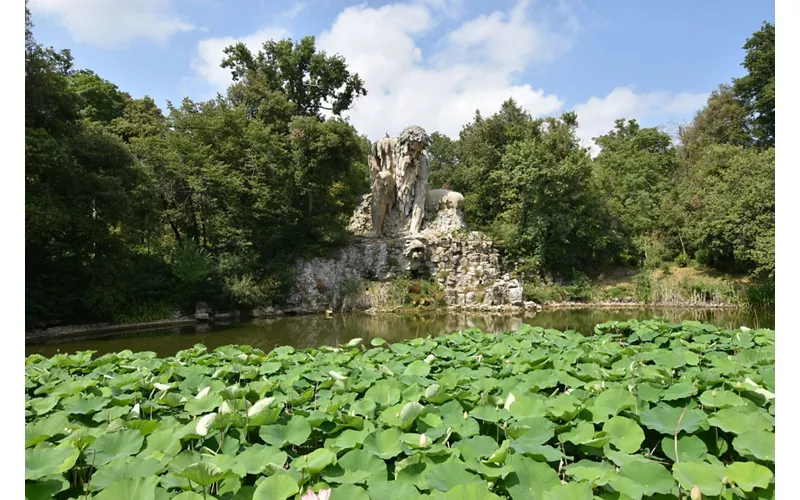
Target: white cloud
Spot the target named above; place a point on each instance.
(210, 54)
(293, 11)
(596, 116)
(506, 41)
(450, 8)
(475, 67)
(113, 23)
(440, 91)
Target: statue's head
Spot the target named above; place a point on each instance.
(414, 139)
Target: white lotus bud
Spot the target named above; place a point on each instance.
(696, 495)
(423, 440)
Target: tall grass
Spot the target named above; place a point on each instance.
(653, 286)
(143, 312)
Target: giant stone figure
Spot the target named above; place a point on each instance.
(399, 170)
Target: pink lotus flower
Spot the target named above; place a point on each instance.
(323, 495)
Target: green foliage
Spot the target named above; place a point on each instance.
(100, 100)
(80, 182)
(256, 173)
(729, 202)
(760, 295)
(756, 89)
(580, 289)
(643, 408)
(618, 292)
(723, 120)
(539, 219)
(443, 157)
(248, 292)
(216, 200)
(478, 171)
(643, 286)
(543, 294)
(634, 170)
(142, 312)
(295, 73)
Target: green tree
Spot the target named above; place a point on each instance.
(723, 120)
(79, 185)
(481, 146)
(139, 118)
(100, 100)
(551, 210)
(756, 90)
(292, 76)
(444, 160)
(729, 201)
(635, 171)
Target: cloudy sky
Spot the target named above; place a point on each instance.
(431, 62)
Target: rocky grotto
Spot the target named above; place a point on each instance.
(404, 227)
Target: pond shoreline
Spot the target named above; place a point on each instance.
(107, 330)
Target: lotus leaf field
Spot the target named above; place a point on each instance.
(641, 409)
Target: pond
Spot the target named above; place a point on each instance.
(317, 330)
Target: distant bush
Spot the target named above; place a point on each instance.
(144, 312)
(644, 286)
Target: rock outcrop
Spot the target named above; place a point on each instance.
(467, 266)
(402, 227)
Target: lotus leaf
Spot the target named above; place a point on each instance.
(670, 420)
(295, 432)
(759, 444)
(707, 477)
(624, 433)
(276, 487)
(748, 475)
(47, 459)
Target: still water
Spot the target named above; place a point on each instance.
(317, 330)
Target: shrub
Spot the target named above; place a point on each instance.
(644, 286)
(581, 288)
(353, 296)
(399, 290)
(143, 312)
(248, 292)
(698, 289)
(624, 291)
(760, 295)
(544, 293)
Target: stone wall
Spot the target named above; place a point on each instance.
(467, 265)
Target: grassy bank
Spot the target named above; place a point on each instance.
(640, 409)
(668, 285)
(402, 293)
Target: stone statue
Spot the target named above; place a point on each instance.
(444, 199)
(411, 175)
(382, 184)
(401, 200)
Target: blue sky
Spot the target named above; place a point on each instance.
(432, 62)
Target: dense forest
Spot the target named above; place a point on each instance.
(132, 212)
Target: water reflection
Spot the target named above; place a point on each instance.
(312, 331)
